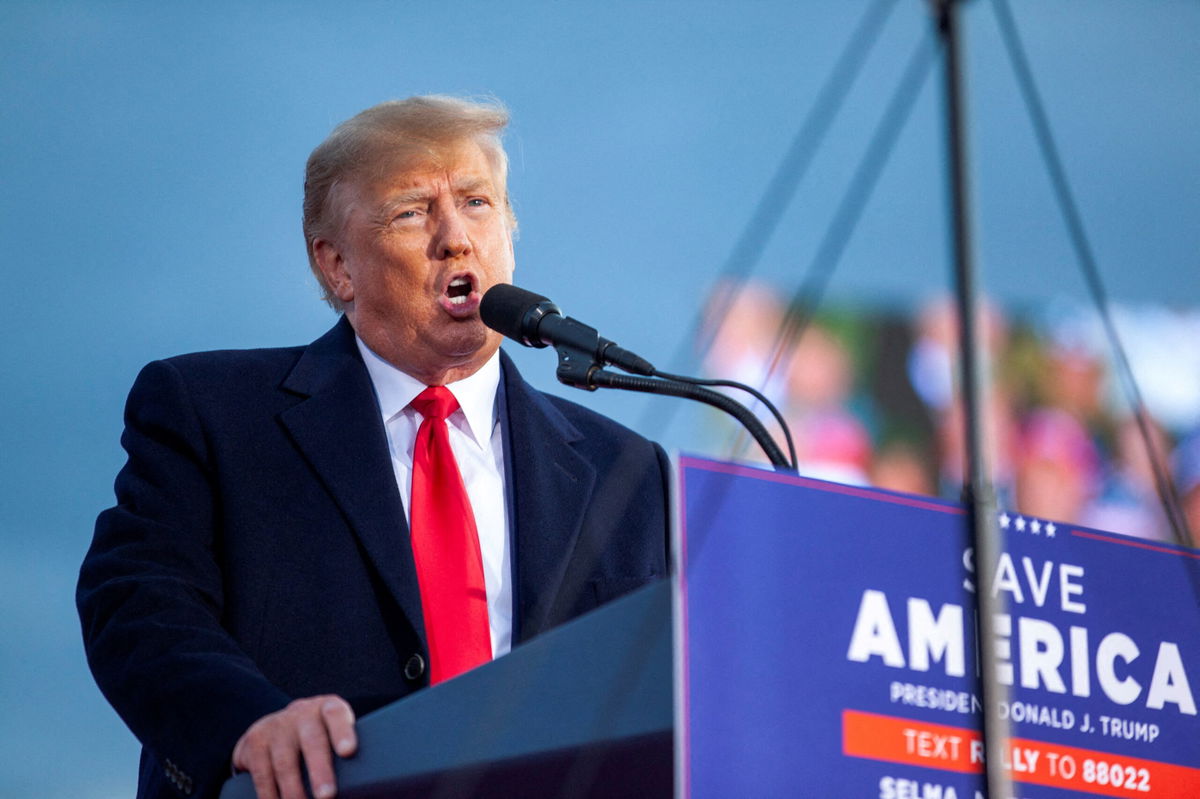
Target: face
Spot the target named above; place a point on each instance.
(420, 244)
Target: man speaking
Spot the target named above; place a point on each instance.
(305, 534)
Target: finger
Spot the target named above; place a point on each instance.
(251, 748)
(314, 745)
(285, 761)
(239, 756)
(250, 756)
(264, 780)
(339, 720)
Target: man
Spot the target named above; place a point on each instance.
(274, 562)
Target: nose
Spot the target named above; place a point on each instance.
(450, 239)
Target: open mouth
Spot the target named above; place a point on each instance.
(459, 290)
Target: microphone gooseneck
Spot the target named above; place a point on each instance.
(535, 321)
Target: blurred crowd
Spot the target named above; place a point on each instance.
(872, 399)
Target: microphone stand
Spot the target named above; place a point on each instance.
(979, 494)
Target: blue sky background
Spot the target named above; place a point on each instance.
(151, 158)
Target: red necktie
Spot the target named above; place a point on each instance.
(446, 547)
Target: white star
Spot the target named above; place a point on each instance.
(1050, 528)
(1004, 520)
(1036, 526)
(1021, 524)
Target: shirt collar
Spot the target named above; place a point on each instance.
(476, 394)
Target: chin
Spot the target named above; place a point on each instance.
(467, 344)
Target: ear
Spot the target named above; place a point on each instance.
(332, 264)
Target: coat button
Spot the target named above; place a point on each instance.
(414, 668)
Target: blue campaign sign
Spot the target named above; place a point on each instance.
(828, 648)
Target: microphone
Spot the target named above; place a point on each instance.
(535, 321)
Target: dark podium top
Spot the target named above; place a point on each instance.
(582, 711)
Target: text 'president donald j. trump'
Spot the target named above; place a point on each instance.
(305, 534)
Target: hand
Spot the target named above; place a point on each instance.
(272, 747)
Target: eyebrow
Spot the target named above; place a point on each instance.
(467, 185)
(472, 185)
(407, 198)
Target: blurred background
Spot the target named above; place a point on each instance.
(151, 158)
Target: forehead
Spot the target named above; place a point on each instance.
(456, 165)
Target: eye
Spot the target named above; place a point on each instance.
(478, 202)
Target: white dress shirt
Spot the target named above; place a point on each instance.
(475, 438)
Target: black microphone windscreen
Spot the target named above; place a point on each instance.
(514, 312)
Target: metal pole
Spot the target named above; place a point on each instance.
(979, 494)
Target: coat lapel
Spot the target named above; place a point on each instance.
(552, 484)
(339, 431)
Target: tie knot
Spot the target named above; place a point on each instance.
(435, 402)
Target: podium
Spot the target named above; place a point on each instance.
(826, 647)
(584, 710)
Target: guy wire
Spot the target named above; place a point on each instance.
(748, 249)
(1087, 263)
(807, 298)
